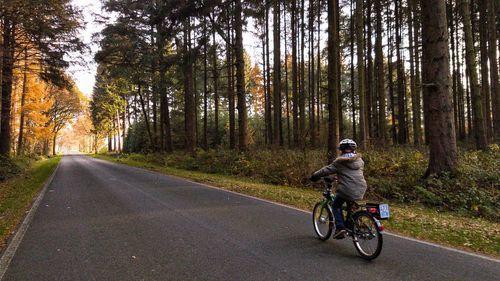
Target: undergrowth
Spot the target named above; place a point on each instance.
(394, 174)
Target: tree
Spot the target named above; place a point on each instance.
(492, 6)
(379, 73)
(470, 57)
(436, 85)
(47, 26)
(277, 75)
(333, 76)
(361, 74)
(66, 106)
(240, 78)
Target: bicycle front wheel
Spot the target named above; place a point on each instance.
(322, 220)
(367, 237)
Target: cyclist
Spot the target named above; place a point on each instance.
(351, 182)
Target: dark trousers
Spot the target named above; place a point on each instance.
(337, 211)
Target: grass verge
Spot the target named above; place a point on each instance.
(17, 195)
(446, 228)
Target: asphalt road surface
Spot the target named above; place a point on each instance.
(103, 221)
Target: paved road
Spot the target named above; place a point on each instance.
(103, 221)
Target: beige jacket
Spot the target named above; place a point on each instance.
(352, 184)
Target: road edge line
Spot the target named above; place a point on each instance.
(310, 213)
(11, 249)
(304, 211)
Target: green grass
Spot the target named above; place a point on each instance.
(18, 193)
(458, 231)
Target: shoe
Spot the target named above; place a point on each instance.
(339, 234)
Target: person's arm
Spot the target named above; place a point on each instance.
(325, 171)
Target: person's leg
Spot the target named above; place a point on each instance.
(337, 212)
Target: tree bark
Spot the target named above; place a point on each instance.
(312, 115)
(240, 79)
(402, 132)
(302, 96)
(436, 88)
(217, 139)
(189, 99)
(495, 87)
(485, 87)
(295, 99)
(333, 76)
(470, 57)
(379, 72)
(205, 89)
(363, 136)
(277, 76)
(20, 140)
(268, 97)
(8, 30)
(230, 88)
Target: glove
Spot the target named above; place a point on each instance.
(314, 178)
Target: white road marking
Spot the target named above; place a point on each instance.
(18, 237)
(308, 212)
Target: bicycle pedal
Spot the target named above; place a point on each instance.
(339, 235)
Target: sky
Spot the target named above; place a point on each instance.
(84, 75)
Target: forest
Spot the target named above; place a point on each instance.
(178, 75)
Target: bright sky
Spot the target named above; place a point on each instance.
(84, 75)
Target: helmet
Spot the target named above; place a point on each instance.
(347, 144)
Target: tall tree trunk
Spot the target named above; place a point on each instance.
(8, 30)
(370, 111)
(240, 79)
(119, 146)
(302, 97)
(413, 90)
(54, 139)
(485, 88)
(286, 81)
(333, 75)
(353, 100)
(268, 99)
(416, 50)
(189, 99)
(230, 87)
(402, 133)
(379, 72)
(492, 53)
(460, 85)
(295, 99)
(277, 75)
(154, 88)
(436, 86)
(361, 74)
(217, 139)
(390, 77)
(312, 122)
(318, 80)
(146, 115)
(20, 140)
(205, 89)
(477, 101)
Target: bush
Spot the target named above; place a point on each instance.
(394, 174)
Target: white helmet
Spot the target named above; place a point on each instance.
(347, 144)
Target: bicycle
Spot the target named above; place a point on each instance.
(361, 222)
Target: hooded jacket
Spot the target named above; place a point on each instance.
(352, 185)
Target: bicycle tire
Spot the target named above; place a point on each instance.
(322, 220)
(367, 237)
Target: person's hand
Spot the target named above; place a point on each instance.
(314, 178)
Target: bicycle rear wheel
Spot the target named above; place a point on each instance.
(367, 237)
(322, 220)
